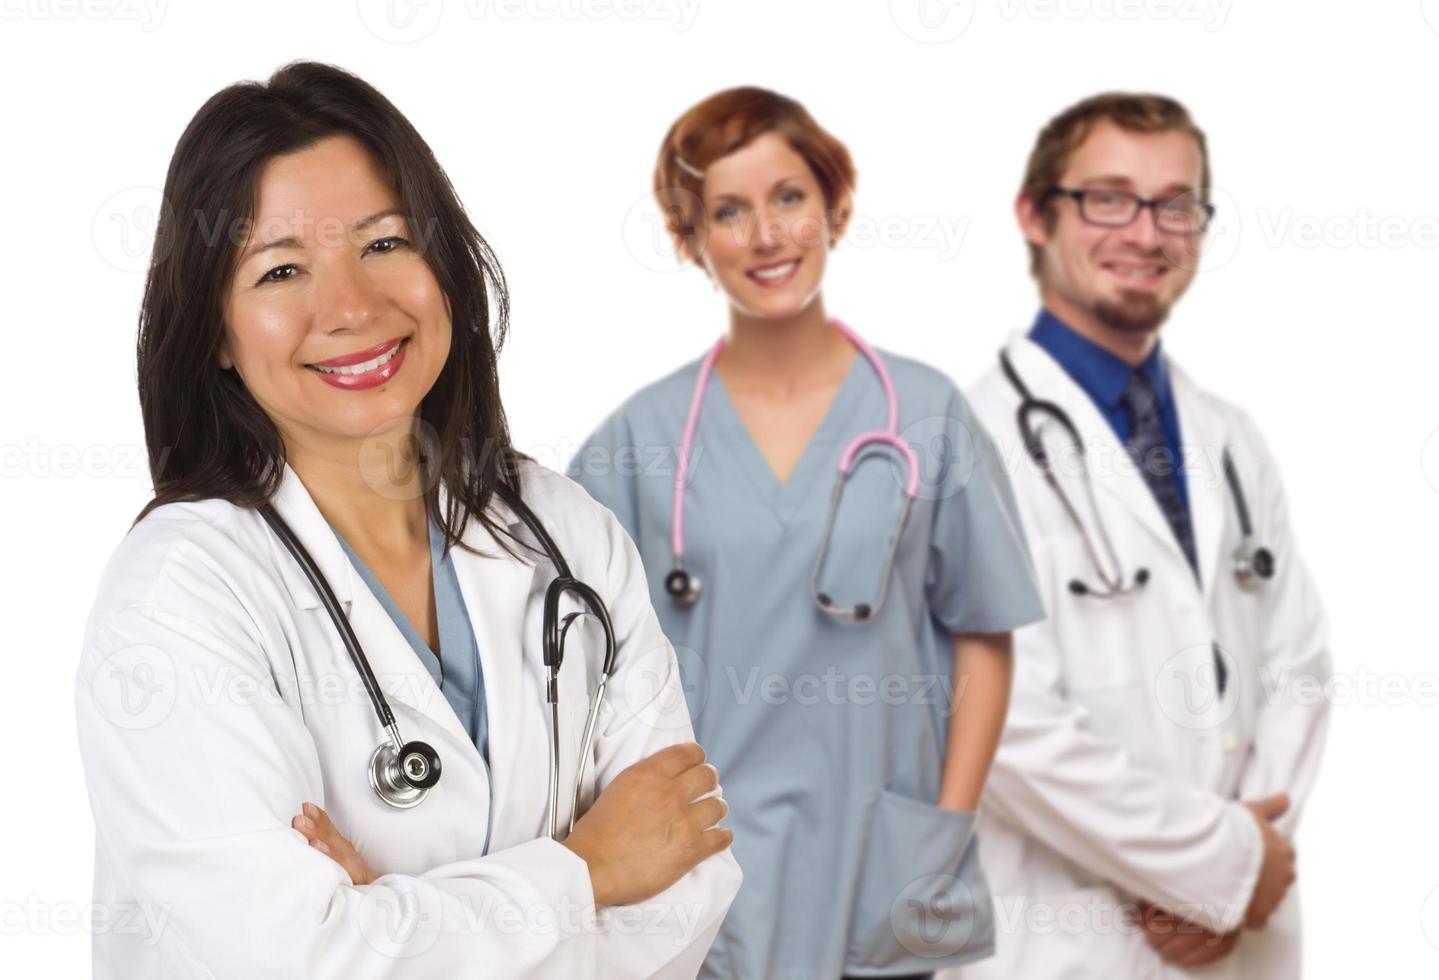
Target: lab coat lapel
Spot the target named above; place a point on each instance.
(1109, 463)
(496, 589)
(295, 505)
(401, 675)
(1203, 435)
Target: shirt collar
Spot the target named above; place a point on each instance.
(1101, 374)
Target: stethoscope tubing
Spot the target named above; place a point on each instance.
(686, 587)
(389, 773)
(1251, 561)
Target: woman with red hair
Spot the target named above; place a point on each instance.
(835, 555)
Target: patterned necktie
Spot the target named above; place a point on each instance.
(1146, 447)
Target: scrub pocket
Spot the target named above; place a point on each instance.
(923, 901)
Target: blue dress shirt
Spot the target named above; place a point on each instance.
(1103, 376)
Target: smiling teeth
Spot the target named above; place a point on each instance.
(777, 272)
(363, 366)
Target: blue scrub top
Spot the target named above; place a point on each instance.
(459, 676)
(829, 736)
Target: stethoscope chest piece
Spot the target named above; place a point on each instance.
(1252, 564)
(683, 587)
(403, 777)
(403, 773)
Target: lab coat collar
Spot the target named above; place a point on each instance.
(495, 587)
(294, 503)
(497, 590)
(1204, 436)
(1107, 460)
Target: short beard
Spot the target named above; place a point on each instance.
(1136, 312)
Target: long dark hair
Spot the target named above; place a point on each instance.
(206, 436)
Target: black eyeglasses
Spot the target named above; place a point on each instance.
(1182, 215)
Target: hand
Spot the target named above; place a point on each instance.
(1277, 872)
(315, 824)
(646, 830)
(1181, 942)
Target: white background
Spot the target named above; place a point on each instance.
(1315, 308)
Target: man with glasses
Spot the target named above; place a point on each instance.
(1162, 735)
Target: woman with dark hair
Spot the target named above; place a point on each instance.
(837, 556)
(326, 723)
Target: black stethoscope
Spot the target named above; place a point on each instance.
(402, 773)
(1251, 561)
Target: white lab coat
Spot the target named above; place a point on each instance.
(1119, 773)
(215, 696)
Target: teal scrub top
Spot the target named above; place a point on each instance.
(457, 670)
(829, 736)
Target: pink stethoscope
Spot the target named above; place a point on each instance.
(685, 587)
